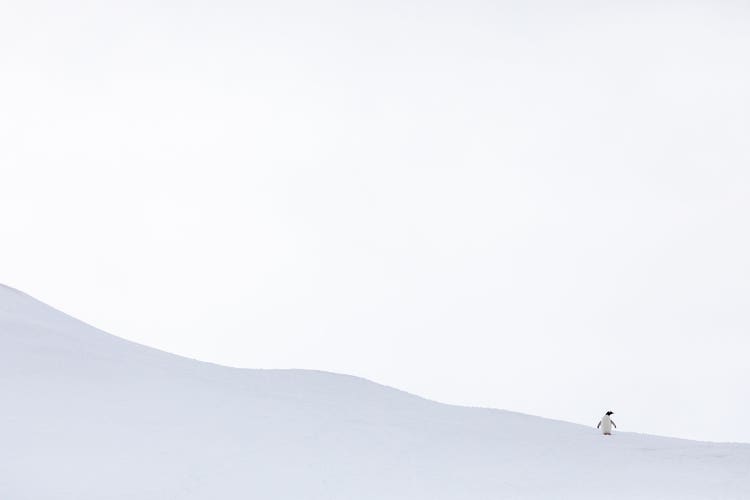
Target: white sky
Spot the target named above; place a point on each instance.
(538, 206)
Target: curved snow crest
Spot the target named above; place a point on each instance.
(75, 333)
(101, 417)
(22, 308)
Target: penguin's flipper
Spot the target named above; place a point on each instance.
(600, 423)
(613, 423)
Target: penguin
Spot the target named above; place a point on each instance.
(606, 424)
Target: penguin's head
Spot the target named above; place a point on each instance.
(610, 413)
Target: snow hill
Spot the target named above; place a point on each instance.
(85, 415)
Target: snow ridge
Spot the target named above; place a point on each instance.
(86, 415)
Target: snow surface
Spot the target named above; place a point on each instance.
(86, 415)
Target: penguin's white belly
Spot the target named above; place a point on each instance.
(606, 426)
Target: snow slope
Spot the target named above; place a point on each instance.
(85, 415)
